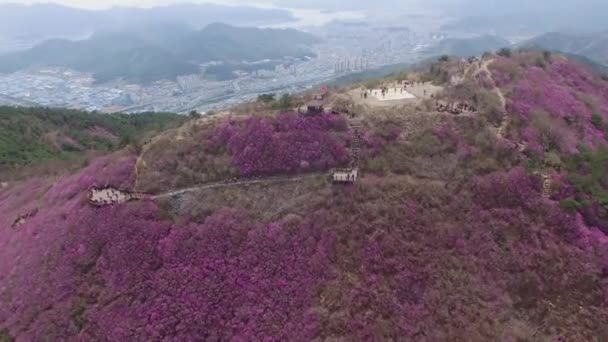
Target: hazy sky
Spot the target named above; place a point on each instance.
(110, 3)
(332, 4)
(567, 7)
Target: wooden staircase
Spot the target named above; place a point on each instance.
(355, 147)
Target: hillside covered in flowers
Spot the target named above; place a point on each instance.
(490, 226)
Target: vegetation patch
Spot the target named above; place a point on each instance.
(30, 135)
(286, 144)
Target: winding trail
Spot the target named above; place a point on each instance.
(506, 121)
(496, 90)
(224, 184)
(485, 67)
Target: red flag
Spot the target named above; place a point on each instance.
(324, 89)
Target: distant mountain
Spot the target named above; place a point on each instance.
(523, 17)
(598, 68)
(468, 46)
(224, 42)
(593, 46)
(161, 51)
(51, 20)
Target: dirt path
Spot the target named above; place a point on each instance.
(180, 133)
(503, 101)
(270, 180)
(485, 67)
(506, 121)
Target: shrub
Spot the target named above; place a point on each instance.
(194, 114)
(504, 52)
(289, 143)
(285, 102)
(504, 71)
(558, 91)
(266, 98)
(510, 189)
(597, 121)
(5, 336)
(587, 174)
(570, 204)
(554, 134)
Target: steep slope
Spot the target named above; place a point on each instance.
(447, 235)
(560, 110)
(30, 135)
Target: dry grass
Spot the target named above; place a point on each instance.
(266, 202)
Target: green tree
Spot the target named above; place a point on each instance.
(570, 204)
(505, 52)
(597, 121)
(5, 336)
(266, 98)
(194, 114)
(284, 102)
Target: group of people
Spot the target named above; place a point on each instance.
(455, 108)
(385, 90)
(410, 83)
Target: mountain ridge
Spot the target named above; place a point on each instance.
(590, 45)
(166, 51)
(39, 21)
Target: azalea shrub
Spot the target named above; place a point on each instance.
(289, 143)
(559, 110)
(504, 71)
(515, 188)
(573, 98)
(388, 258)
(124, 273)
(378, 261)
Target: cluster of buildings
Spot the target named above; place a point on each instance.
(57, 88)
(344, 49)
